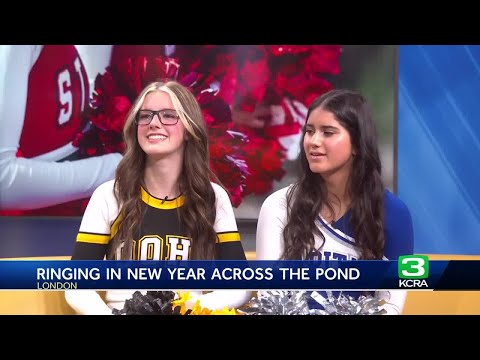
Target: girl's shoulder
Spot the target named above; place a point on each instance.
(398, 227)
(280, 193)
(105, 189)
(278, 198)
(394, 206)
(104, 194)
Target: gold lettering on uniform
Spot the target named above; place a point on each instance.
(178, 247)
(150, 247)
(150, 250)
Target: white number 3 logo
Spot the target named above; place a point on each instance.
(414, 264)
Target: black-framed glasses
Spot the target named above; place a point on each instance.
(166, 117)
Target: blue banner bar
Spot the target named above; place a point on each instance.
(410, 273)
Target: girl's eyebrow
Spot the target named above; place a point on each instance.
(164, 109)
(323, 127)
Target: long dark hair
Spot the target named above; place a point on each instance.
(307, 196)
(198, 211)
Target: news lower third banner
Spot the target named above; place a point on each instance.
(409, 272)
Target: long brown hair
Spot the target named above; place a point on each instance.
(198, 211)
(307, 196)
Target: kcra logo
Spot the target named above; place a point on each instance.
(412, 271)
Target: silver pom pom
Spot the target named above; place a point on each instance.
(347, 305)
(277, 302)
(280, 302)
